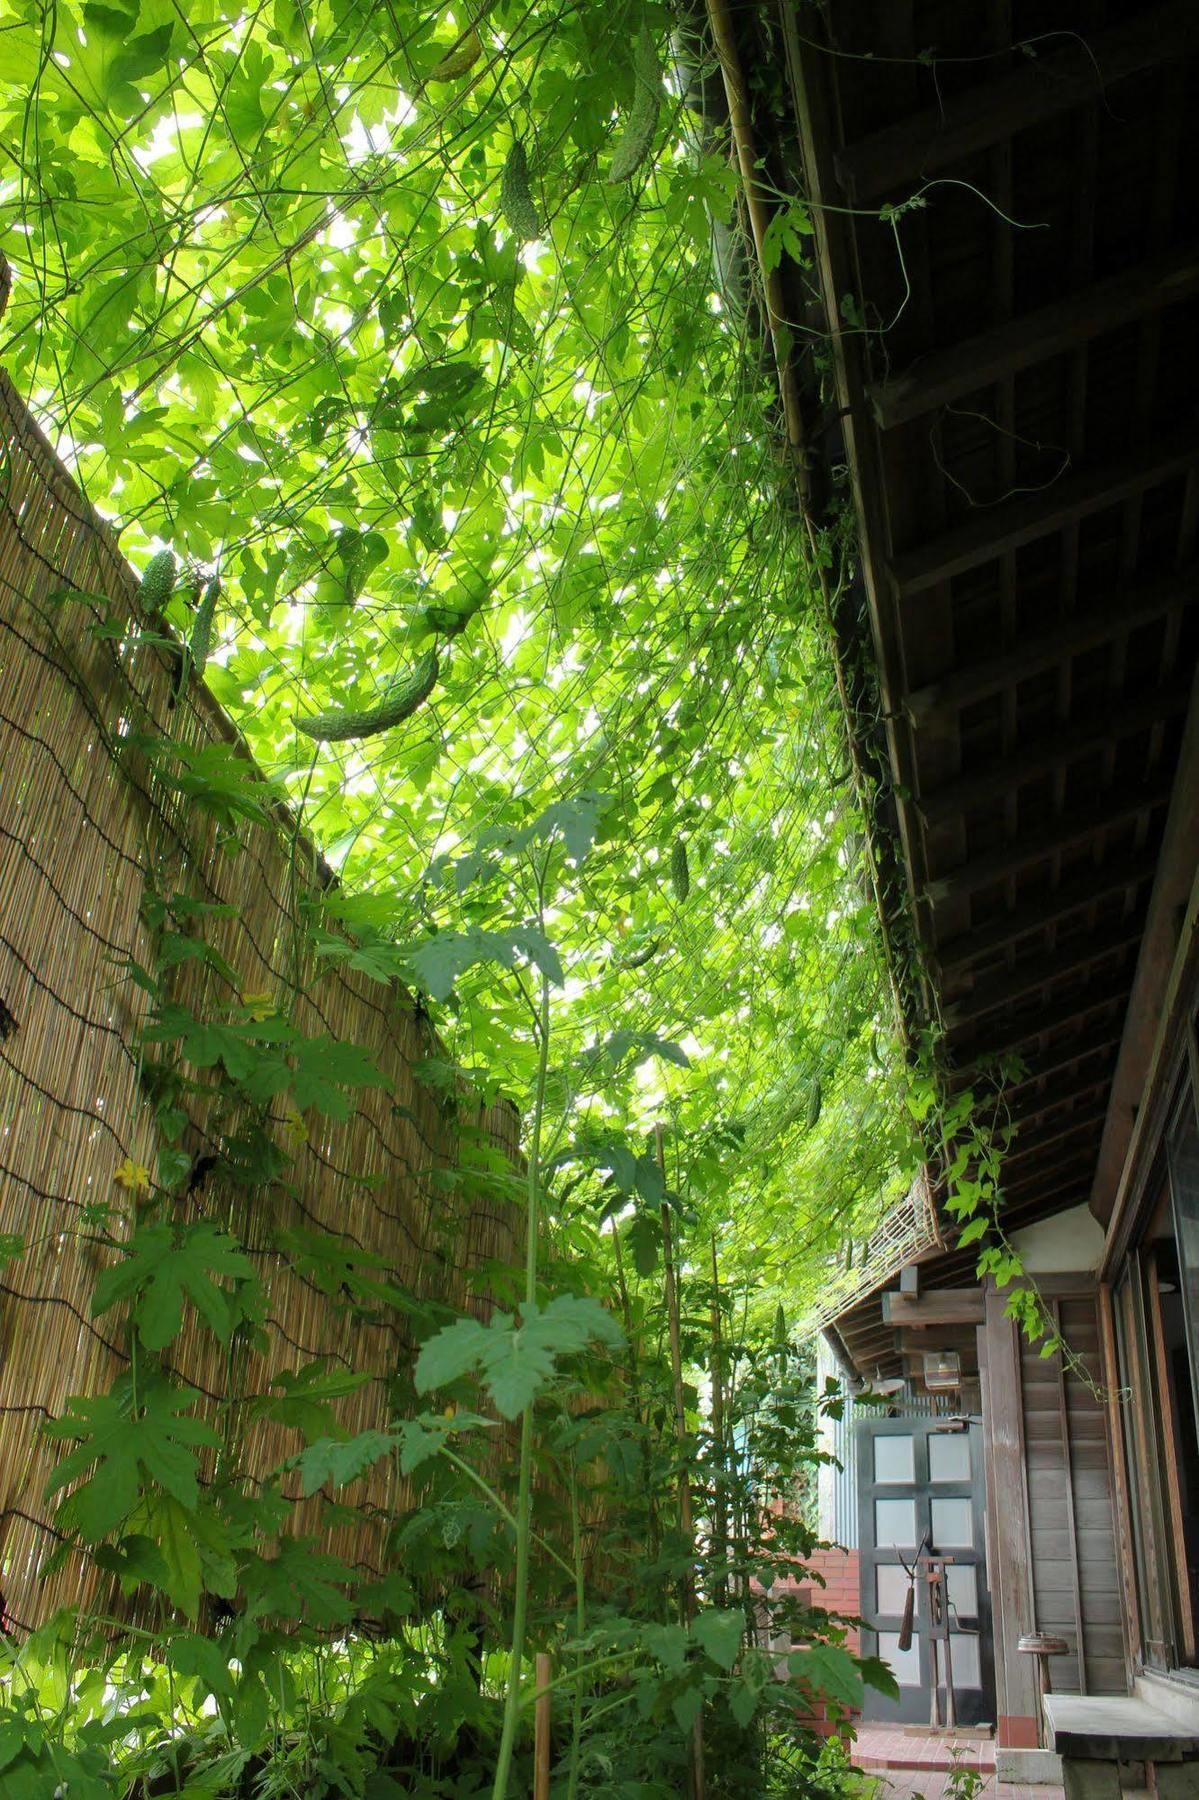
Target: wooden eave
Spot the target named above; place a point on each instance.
(1019, 417)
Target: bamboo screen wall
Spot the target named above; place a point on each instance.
(83, 824)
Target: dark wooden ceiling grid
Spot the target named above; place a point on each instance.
(1021, 425)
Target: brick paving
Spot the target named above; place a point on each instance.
(919, 1766)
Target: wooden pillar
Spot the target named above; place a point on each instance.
(1019, 1725)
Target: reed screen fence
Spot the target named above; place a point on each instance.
(86, 824)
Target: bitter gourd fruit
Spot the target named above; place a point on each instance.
(157, 582)
(815, 1101)
(460, 60)
(201, 634)
(637, 138)
(398, 703)
(516, 199)
(680, 873)
(639, 958)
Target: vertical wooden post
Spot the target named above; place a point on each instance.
(686, 1519)
(1125, 1554)
(542, 1676)
(1011, 1581)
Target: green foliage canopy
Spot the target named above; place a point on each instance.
(276, 303)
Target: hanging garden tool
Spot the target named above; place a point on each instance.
(909, 1605)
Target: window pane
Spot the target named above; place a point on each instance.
(949, 1456)
(890, 1588)
(895, 1523)
(894, 1459)
(963, 1589)
(905, 1664)
(953, 1523)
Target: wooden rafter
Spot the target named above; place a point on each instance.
(989, 533)
(1097, 882)
(1041, 972)
(1054, 644)
(1072, 1009)
(1035, 1143)
(939, 1306)
(1036, 88)
(1058, 835)
(995, 355)
(1056, 749)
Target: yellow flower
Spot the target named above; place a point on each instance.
(135, 1177)
(295, 1131)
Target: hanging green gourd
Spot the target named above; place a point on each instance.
(398, 703)
(516, 198)
(200, 642)
(637, 138)
(157, 583)
(680, 873)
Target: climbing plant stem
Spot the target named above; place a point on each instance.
(524, 1496)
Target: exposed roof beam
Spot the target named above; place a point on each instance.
(1059, 1057)
(1033, 1143)
(1053, 750)
(1010, 985)
(1031, 847)
(1033, 337)
(1036, 88)
(1044, 649)
(1178, 860)
(1071, 1010)
(937, 1306)
(1060, 1094)
(1094, 884)
(1063, 1172)
(988, 533)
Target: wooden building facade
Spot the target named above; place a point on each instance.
(989, 357)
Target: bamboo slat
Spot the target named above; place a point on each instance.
(85, 822)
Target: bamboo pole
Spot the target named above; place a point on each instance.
(720, 1520)
(542, 1676)
(686, 1518)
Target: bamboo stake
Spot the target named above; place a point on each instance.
(632, 1351)
(542, 1676)
(686, 1519)
(720, 1519)
(736, 89)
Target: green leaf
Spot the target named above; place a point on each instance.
(743, 1702)
(340, 1460)
(172, 1530)
(164, 1266)
(668, 1644)
(687, 1708)
(878, 1674)
(515, 1359)
(119, 1447)
(639, 1046)
(200, 1659)
(718, 1631)
(827, 1669)
(439, 962)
